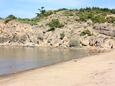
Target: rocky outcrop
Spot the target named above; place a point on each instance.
(106, 29)
(21, 34)
(101, 42)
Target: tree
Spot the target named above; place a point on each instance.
(41, 11)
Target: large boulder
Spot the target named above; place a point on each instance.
(105, 29)
(74, 42)
(101, 42)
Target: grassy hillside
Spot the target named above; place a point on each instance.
(97, 15)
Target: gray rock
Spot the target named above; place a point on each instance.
(104, 29)
(74, 43)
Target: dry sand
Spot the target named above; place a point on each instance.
(91, 71)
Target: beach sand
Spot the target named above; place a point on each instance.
(98, 70)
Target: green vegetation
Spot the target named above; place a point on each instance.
(32, 21)
(85, 32)
(62, 35)
(97, 15)
(68, 13)
(98, 19)
(9, 18)
(43, 13)
(55, 23)
(62, 9)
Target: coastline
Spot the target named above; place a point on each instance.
(91, 71)
(58, 47)
(87, 52)
(97, 49)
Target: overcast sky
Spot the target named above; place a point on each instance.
(28, 8)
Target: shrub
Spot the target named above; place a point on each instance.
(99, 19)
(48, 13)
(43, 13)
(84, 16)
(85, 32)
(68, 14)
(9, 18)
(97, 15)
(62, 9)
(32, 21)
(62, 35)
(54, 24)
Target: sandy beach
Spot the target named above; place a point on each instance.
(98, 70)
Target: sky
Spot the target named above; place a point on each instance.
(28, 8)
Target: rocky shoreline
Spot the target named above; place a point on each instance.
(71, 33)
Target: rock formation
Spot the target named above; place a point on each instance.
(72, 34)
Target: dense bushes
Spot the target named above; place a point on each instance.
(84, 16)
(97, 15)
(97, 10)
(98, 19)
(55, 23)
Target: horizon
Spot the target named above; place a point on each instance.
(28, 8)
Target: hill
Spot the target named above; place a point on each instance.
(88, 27)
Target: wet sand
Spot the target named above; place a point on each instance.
(98, 70)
